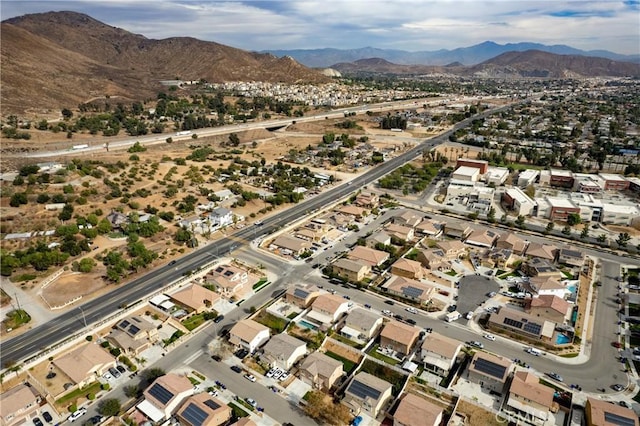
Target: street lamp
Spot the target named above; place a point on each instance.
(84, 319)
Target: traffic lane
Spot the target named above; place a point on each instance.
(275, 405)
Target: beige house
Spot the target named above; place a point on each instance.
(604, 413)
(434, 259)
(408, 218)
(361, 325)
(539, 267)
(302, 295)
(548, 307)
(409, 289)
(244, 421)
(416, 411)
(351, 270)
(399, 337)
(529, 398)
(377, 238)
(453, 249)
(368, 201)
(85, 364)
(289, 245)
(400, 232)
(163, 397)
(231, 281)
(497, 258)
(490, 371)
(522, 324)
(195, 298)
(367, 255)
(18, 403)
(458, 230)
(203, 410)
(439, 353)
(320, 371)
(542, 251)
(133, 335)
(328, 308)
(367, 393)
(571, 256)
(358, 213)
(430, 228)
(408, 268)
(482, 238)
(248, 334)
(283, 351)
(545, 285)
(511, 242)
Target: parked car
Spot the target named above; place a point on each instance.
(555, 376)
(411, 321)
(411, 310)
(96, 419)
(115, 373)
(285, 376)
(250, 377)
(47, 417)
(617, 387)
(368, 306)
(107, 376)
(213, 393)
(216, 357)
(37, 421)
(236, 369)
(429, 330)
(121, 369)
(77, 414)
(252, 402)
(624, 404)
(389, 302)
(489, 337)
(475, 344)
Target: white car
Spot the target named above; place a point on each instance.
(284, 376)
(213, 393)
(489, 337)
(277, 373)
(77, 414)
(411, 310)
(386, 312)
(270, 373)
(107, 376)
(250, 377)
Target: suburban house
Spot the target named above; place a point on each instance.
(248, 334)
(220, 217)
(408, 218)
(328, 308)
(18, 403)
(400, 232)
(399, 337)
(351, 270)
(195, 298)
(244, 421)
(439, 353)
(133, 335)
(522, 324)
(367, 393)
(85, 363)
(358, 213)
(368, 201)
(320, 371)
(302, 295)
(203, 410)
(482, 238)
(430, 228)
(289, 245)
(542, 251)
(604, 413)
(408, 268)
(538, 267)
(379, 237)
(511, 242)
(230, 281)
(117, 219)
(452, 249)
(164, 396)
(529, 398)
(360, 325)
(548, 307)
(434, 259)
(416, 411)
(489, 371)
(540, 286)
(458, 230)
(571, 256)
(367, 255)
(409, 289)
(283, 351)
(497, 258)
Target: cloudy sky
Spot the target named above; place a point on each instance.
(392, 24)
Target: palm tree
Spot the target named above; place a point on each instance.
(467, 152)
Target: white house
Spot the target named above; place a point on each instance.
(163, 397)
(283, 351)
(248, 334)
(220, 217)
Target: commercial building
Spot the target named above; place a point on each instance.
(481, 165)
(467, 174)
(613, 182)
(496, 175)
(516, 200)
(560, 208)
(527, 177)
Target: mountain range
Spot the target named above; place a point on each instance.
(472, 55)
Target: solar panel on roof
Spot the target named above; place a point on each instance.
(412, 291)
(124, 324)
(490, 368)
(212, 404)
(362, 390)
(219, 269)
(618, 420)
(298, 292)
(194, 414)
(133, 330)
(160, 393)
(228, 273)
(532, 328)
(512, 323)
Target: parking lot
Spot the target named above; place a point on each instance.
(473, 291)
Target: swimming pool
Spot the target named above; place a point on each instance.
(573, 288)
(307, 324)
(562, 339)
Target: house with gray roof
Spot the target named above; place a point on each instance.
(367, 393)
(360, 325)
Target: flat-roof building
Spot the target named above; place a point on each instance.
(515, 199)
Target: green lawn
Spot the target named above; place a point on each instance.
(73, 395)
(263, 282)
(17, 318)
(348, 365)
(193, 321)
(273, 322)
(346, 341)
(451, 273)
(374, 353)
(386, 374)
(237, 411)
